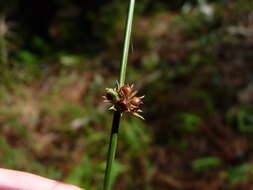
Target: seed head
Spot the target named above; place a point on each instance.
(126, 90)
(124, 99)
(136, 101)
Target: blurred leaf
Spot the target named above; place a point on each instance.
(82, 173)
(190, 122)
(27, 58)
(240, 174)
(245, 120)
(135, 135)
(206, 163)
(70, 60)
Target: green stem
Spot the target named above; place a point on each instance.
(116, 117)
(127, 42)
(112, 151)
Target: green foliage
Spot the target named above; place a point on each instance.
(201, 164)
(135, 135)
(192, 67)
(190, 122)
(20, 158)
(242, 118)
(240, 174)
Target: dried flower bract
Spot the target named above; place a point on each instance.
(124, 99)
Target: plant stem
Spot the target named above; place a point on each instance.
(111, 151)
(128, 31)
(116, 117)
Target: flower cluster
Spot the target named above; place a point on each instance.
(124, 99)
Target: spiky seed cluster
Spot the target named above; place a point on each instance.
(124, 99)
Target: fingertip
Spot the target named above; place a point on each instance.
(63, 186)
(13, 180)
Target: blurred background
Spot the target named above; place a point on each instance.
(191, 58)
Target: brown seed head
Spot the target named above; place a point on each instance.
(122, 106)
(124, 99)
(136, 101)
(109, 96)
(126, 90)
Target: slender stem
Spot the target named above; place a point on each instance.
(112, 151)
(127, 42)
(116, 117)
